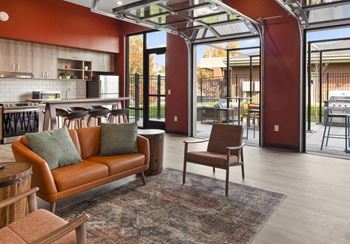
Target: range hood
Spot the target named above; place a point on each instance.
(18, 75)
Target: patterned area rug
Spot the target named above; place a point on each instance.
(164, 211)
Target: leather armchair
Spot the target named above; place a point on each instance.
(225, 149)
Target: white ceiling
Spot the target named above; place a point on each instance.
(104, 5)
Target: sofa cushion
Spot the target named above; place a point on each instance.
(210, 158)
(120, 163)
(39, 223)
(72, 133)
(89, 139)
(78, 174)
(9, 236)
(55, 146)
(118, 139)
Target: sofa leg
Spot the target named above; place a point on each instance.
(52, 207)
(142, 174)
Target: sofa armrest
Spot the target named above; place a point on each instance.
(143, 147)
(42, 176)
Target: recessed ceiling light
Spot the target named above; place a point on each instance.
(4, 16)
(120, 3)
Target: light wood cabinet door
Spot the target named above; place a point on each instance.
(44, 61)
(38, 56)
(102, 62)
(24, 57)
(97, 61)
(8, 55)
(50, 56)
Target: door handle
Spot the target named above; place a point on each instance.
(46, 74)
(42, 74)
(17, 67)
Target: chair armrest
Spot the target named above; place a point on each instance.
(27, 194)
(236, 147)
(144, 147)
(77, 224)
(42, 176)
(193, 142)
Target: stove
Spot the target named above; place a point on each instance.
(17, 119)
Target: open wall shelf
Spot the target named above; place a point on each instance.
(74, 69)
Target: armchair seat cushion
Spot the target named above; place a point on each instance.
(120, 163)
(39, 223)
(210, 158)
(78, 174)
(9, 236)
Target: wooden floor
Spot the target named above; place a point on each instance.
(317, 207)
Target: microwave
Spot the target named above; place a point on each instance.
(47, 95)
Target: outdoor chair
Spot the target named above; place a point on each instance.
(225, 149)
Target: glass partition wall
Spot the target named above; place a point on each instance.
(227, 87)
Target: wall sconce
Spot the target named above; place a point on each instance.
(4, 16)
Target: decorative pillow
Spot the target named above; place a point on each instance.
(55, 146)
(118, 139)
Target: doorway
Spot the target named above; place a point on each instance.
(154, 114)
(146, 79)
(227, 87)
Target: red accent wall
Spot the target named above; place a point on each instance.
(177, 82)
(59, 23)
(281, 86)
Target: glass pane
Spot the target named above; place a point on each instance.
(331, 13)
(157, 87)
(135, 68)
(156, 39)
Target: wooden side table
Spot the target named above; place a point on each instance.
(156, 141)
(15, 178)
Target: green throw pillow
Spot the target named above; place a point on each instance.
(118, 139)
(55, 146)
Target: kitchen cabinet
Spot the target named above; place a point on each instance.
(16, 56)
(102, 62)
(44, 61)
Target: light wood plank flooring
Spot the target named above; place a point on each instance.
(317, 207)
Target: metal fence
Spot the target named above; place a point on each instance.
(211, 90)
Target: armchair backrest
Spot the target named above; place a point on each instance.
(225, 135)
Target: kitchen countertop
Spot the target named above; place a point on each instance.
(78, 100)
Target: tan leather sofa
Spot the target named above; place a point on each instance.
(93, 171)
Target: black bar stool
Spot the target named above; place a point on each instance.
(118, 116)
(329, 115)
(75, 117)
(98, 112)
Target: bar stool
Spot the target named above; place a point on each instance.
(97, 112)
(76, 117)
(61, 113)
(329, 115)
(120, 114)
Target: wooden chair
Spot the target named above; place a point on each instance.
(41, 226)
(225, 149)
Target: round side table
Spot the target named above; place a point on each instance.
(156, 141)
(15, 178)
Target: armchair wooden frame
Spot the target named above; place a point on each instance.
(240, 161)
(77, 224)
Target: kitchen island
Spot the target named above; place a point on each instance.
(50, 118)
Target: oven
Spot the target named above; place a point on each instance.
(17, 119)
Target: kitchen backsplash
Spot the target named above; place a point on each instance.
(21, 89)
